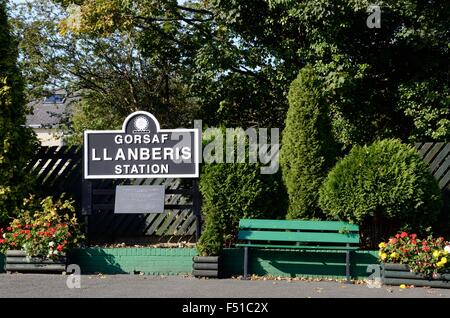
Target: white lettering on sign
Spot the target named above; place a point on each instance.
(141, 169)
(141, 149)
(141, 139)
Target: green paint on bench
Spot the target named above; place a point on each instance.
(297, 225)
(307, 237)
(304, 235)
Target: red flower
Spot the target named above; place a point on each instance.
(425, 248)
(397, 235)
(2, 241)
(393, 240)
(424, 243)
(19, 226)
(27, 226)
(8, 228)
(15, 235)
(27, 231)
(413, 242)
(404, 234)
(413, 236)
(59, 247)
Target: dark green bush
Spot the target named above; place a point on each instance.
(234, 191)
(308, 149)
(383, 187)
(212, 239)
(16, 142)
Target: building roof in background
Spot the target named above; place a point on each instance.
(48, 112)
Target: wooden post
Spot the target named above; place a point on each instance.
(196, 206)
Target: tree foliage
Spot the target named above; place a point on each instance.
(308, 149)
(383, 187)
(17, 142)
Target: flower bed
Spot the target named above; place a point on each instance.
(408, 260)
(43, 233)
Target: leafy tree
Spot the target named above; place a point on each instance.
(383, 187)
(17, 142)
(308, 150)
(234, 191)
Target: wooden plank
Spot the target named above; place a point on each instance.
(36, 267)
(443, 168)
(298, 236)
(32, 260)
(440, 157)
(207, 266)
(444, 182)
(300, 247)
(417, 282)
(296, 225)
(433, 151)
(205, 273)
(425, 147)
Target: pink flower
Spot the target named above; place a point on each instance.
(403, 235)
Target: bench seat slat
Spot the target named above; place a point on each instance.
(301, 247)
(297, 225)
(307, 237)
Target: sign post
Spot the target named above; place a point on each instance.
(141, 149)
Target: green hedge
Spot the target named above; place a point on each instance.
(383, 187)
(308, 149)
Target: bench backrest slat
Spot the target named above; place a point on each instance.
(297, 225)
(319, 237)
(298, 231)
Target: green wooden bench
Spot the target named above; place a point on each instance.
(298, 235)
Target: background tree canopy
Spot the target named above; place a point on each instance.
(231, 62)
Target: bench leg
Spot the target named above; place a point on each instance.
(347, 267)
(245, 262)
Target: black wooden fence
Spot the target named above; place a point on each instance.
(437, 156)
(59, 170)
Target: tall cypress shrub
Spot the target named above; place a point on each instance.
(16, 142)
(308, 149)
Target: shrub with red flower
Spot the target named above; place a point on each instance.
(45, 228)
(428, 256)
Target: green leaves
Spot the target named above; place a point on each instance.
(383, 187)
(308, 149)
(16, 142)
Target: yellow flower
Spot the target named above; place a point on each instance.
(436, 253)
(382, 245)
(402, 286)
(394, 255)
(444, 260)
(383, 256)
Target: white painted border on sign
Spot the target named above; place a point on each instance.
(158, 129)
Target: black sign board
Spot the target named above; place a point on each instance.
(141, 150)
(139, 199)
